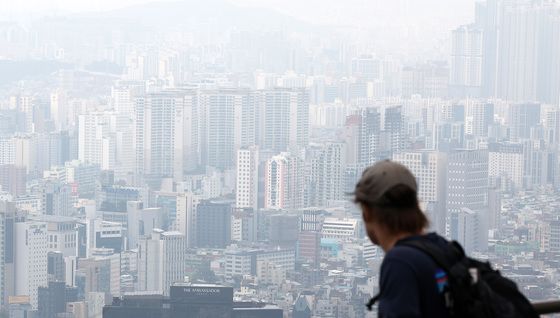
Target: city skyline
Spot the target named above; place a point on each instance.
(162, 157)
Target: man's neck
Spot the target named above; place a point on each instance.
(390, 241)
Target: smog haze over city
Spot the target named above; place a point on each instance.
(196, 158)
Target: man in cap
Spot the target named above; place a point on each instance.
(410, 283)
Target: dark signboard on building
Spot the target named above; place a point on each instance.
(201, 294)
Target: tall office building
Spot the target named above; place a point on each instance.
(486, 18)
(8, 151)
(327, 175)
(368, 137)
(448, 135)
(506, 160)
(247, 183)
(186, 216)
(166, 133)
(213, 224)
(548, 83)
(115, 268)
(284, 119)
(466, 61)
(351, 140)
(56, 267)
(141, 221)
(125, 161)
(161, 261)
(6, 244)
(31, 262)
(26, 154)
(395, 129)
(94, 275)
(50, 148)
(53, 298)
(309, 247)
(518, 53)
(430, 169)
(56, 198)
(97, 139)
(8, 216)
(123, 95)
(26, 106)
(451, 113)
(468, 227)
(479, 117)
(59, 109)
(467, 188)
(228, 119)
(244, 225)
(550, 117)
(540, 164)
(13, 179)
(522, 118)
(82, 177)
(158, 130)
(186, 154)
(361, 139)
(528, 47)
(283, 188)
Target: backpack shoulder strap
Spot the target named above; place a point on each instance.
(440, 257)
(372, 301)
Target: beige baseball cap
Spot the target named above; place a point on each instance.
(382, 177)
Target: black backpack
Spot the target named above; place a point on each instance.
(474, 289)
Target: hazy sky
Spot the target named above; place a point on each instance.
(318, 11)
(53, 6)
(418, 27)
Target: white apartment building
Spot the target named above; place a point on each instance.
(97, 139)
(246, 192)
(507, 160)
(186, 215)
(327, 174)
(161, 261)
(429, 169)
(284, 119)
(59, 109)
(283, 182)
(166, 133)
(340, 228)
(31, 239)
(7, 151)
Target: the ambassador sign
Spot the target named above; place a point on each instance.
(204, 294)
(201, 291)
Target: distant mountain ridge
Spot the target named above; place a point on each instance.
(191, 11)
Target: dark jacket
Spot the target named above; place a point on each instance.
(411, 283)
